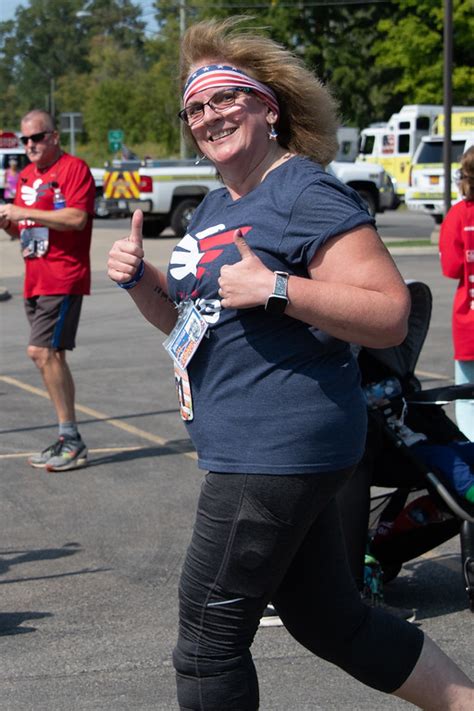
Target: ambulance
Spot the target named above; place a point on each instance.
(426, 190)
(393, 144)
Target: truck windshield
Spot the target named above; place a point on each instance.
(432, 152)
(367, 145)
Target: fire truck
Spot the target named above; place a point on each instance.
(393, 144)
(426, 190)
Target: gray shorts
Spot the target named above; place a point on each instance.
(54, 320)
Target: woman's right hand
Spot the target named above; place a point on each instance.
(126, 254)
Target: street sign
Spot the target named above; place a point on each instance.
(8, 139)
(115, 138)
(71, 123)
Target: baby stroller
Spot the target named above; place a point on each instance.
(422, 510)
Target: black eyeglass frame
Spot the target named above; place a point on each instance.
(183, 115)
(35, 137)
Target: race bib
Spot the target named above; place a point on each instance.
(183, 389)
(183, 341)
(34, 242)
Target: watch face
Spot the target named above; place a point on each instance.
(276, 304)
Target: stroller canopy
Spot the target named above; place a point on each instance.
(401, 360)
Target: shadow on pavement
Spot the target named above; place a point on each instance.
(10, 622)
(434, 587)
(177, 446)
(6, 563)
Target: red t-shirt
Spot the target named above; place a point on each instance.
(65, 267)
(456, 245)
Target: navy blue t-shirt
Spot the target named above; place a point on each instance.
(271, 394)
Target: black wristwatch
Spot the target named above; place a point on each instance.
(278, 300)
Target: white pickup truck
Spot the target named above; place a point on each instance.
(169, 191)
(426, 191)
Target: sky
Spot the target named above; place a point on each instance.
(8, 7)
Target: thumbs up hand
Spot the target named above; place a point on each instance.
(136, 233)
(247, 283)
(126, 254)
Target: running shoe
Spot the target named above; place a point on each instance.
(270, 617)
(71, 454)
(39, 460)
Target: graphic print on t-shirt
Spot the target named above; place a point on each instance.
(192, 257)
(195, 252)
(30, 194)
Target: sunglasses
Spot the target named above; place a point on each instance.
(36, 137)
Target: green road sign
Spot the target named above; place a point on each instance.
(115, 135)
(115, 138)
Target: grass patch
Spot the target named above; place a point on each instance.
(409, 243)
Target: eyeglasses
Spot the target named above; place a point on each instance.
(219, 102)
(35, 137)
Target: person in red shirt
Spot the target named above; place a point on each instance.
(52, 216)
(457, 261)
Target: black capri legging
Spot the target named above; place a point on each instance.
(259, 538)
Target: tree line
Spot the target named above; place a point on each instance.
(98, 58)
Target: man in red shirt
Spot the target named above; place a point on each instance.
(52, 215)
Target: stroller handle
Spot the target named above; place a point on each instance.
(441, 396)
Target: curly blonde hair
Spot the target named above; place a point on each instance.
(467, 174)
(308, 119)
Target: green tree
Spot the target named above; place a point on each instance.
(411, 44)
(335, 41)
(51, 39)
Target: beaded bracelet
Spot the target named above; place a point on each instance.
(133, 282)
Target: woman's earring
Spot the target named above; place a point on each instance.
(273, 133)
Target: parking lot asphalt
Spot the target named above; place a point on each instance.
(90, 559)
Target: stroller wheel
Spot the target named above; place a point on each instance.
(390, 571)
(467, 555)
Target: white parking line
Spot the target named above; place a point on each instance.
(432, 376)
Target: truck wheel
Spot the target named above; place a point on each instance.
(153, 226)
(101, 209)
(370, 200)
(182, 215)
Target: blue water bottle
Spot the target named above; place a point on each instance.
(59, 201)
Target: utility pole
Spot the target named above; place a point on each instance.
(182, 29)
(52, 106)
(447, 99)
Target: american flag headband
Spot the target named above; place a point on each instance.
(215, 75)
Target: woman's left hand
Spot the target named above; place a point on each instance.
(247, 283)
